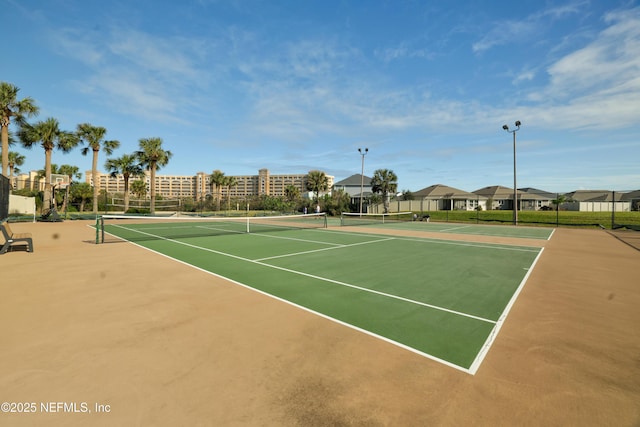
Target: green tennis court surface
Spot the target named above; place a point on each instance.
(522, 232)
(442, 299)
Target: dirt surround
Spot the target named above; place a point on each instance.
(158, 343)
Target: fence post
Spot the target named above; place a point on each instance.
(613, 209)
(557, 210)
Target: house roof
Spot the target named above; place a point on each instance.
(440, 191)
(500, 192)
(593, 196)
(353, 181)
(631, 195)
(542, 193)
(495, 192)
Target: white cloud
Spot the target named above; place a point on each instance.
(510, 31)
(401, 52)
(597, 86)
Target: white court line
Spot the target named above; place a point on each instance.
(454, 228)
(317, 313)
(323, 249)
(296, 239)
(439, 241)
(324, 279)
(494, 333)
(471, 370)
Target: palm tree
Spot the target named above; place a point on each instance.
(385, 182)
(84, 192)
(317, 181)
(94, 137)
(55, 170)
(291, 194)
(71, 172)
(50, 136)
(128, 166)
(11, 107)
(15, 159)
(152, 156)
(230, 181)
(217, 179)
(139, 188)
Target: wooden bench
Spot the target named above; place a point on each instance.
(12, 238)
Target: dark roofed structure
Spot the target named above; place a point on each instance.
(353, 180)
(542, 193)
(502, 198)
(443, 197)
(353, 186)
(594, 196)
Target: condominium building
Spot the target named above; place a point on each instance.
(197, 187)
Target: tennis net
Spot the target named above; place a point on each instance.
(349, 218)
(140, 228)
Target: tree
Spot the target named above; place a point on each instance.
(407, 195)
(217, 179)
(93, 136)
(71, 172)
(11, 107)
(292, 196)
(385, 183)
(15, 159)
(82, 192)
(317, 181)
(230, 181)
(128, 166)
(559, 200)
(55, 170)
(139, 188)
(50, 136)
(152, 156)
(337, 203)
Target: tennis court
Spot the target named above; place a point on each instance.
(378, 221)
(445, 300)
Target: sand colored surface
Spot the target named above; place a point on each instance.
(158, 343)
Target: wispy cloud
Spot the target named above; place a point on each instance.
(597, 86)
(510, 31)
(134, 72)
(402, 52)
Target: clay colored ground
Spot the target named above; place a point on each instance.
(156, 342)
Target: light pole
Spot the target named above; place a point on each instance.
(515, 187)
(362, 153)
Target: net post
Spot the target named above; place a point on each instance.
(325, 221)
(97, 230)
(102, 228)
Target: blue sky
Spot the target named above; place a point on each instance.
(299, 85)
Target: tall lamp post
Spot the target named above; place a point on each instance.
(362, 153)
(515, 187)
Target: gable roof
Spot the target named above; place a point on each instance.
(542, 193)
(592, 196)
(495, 192)
(631, 195)
(505, 193)
(440, 191)
(353, 180)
